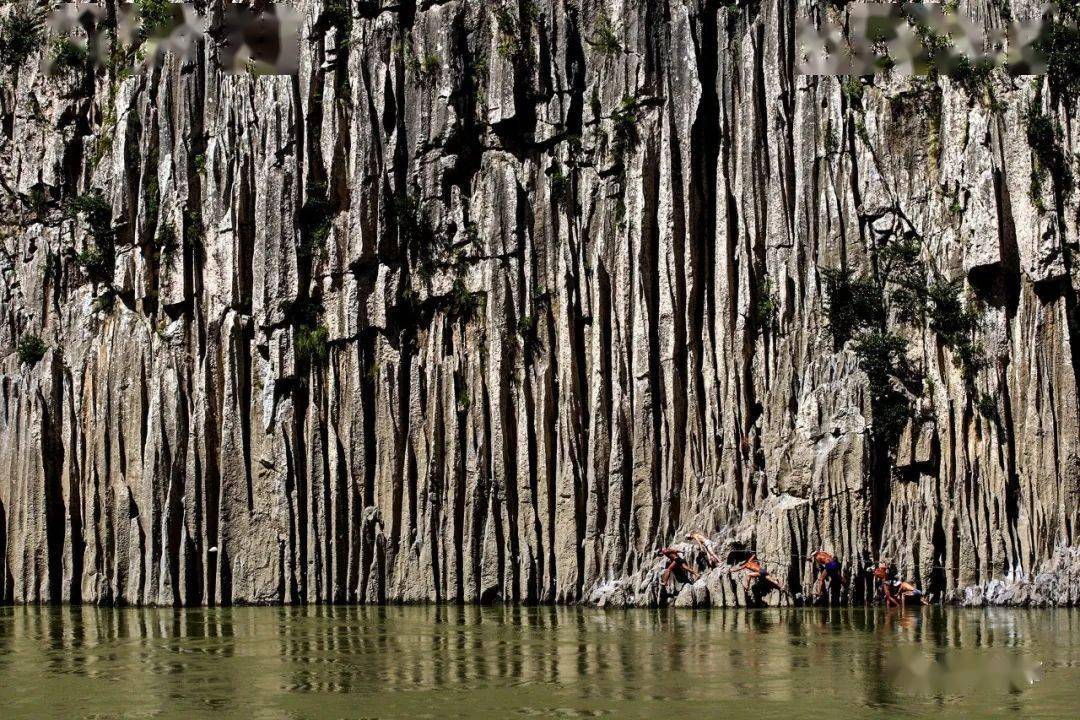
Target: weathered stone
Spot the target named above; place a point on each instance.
(485, 306)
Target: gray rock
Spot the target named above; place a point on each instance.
(492, 315)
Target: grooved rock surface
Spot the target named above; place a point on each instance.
(494, 299)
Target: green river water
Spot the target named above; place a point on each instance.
(429, 662)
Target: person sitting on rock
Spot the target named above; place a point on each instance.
(710, 557)
(830, 572)
(756, 573)
(677, 566)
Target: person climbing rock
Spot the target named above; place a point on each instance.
(757, 574)
(676, 566)
(710, 557)
(831, 573)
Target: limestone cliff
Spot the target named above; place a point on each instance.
(496, 297)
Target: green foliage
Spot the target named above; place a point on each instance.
(955, 325)
(31, 349)
(314, 222)
(901, 263)
(337, 15)
(882, 357)
(853, 304)
(38, 202)
(975, 78)
(528, 331)
(68, 56)
(95, 209)
(152, 193)
(987, 407)
(625, 138)
(20, 37)
(624, 120)
(430, 64)
(194, 235)
(104, 303)
(167, 243)
(525, 325)
(463, 305)
(155, 17)
(92, 260)
(935, 48)
(96, 258)
(1059, 44)
(765, 308)
(856, 309)
(561, 188)
(472, 236)
(103, 145)
(1050, 159)
(426, 247)
(510, 45)
(852, 89)
(312, 343)
(604, 38)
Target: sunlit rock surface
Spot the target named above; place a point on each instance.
(488, 304)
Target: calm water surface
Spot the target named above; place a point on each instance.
(421, 662)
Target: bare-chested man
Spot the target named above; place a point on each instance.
(710, 557)
(830, 572)
(677, 565)
(756, 573)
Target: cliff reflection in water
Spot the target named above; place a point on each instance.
(353, 662)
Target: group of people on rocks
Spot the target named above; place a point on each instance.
(759, 583)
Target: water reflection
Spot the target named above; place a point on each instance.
(413, 662)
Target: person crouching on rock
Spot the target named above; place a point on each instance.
(830, 573)
(898, 591)
(710, 557)
(676, 566)
(756, 573)
(883, 575)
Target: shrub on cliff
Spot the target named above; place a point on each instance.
(96, 258)
(155, 17)
(20, 37)
(1050, 159)
(67, 56)
(882, 356)
(955, 324)
(312, 343)
(604, 38)
(852, 304)
(1060, 45)
(95, 209)
(315, 222)
(31, 349)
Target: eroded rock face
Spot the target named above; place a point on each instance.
(496, 298)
